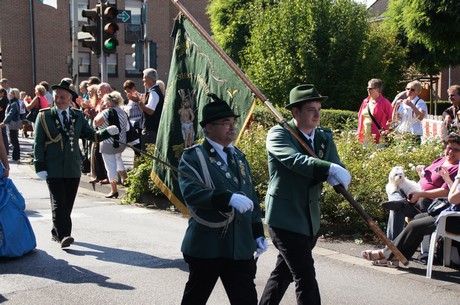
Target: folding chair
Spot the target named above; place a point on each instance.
(450, 232)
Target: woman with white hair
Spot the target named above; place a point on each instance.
(112, 148)
(410, 111)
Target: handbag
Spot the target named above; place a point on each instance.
(32, 115)
(131, 135)
(15, 124)
(383, 132)
(437, 206)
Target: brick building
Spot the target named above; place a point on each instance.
(36, 40)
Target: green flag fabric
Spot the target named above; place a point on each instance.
(196, 70)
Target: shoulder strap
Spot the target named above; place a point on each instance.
(58, 138)
(208, 181)
(372, 117)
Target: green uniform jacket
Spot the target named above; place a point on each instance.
(296, 179)
(55, 152)
(201, 241)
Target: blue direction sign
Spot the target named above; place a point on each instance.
(124, 16)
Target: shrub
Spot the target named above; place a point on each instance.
(139, 180)
(253, 145)
(369, 167)
(333, 119)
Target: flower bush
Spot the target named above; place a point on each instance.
(369, 167)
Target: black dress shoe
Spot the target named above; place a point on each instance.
(67, 241)
(393, 205)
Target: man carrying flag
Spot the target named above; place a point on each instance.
(225, 227)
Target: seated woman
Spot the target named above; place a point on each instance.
(410, 238)
(433, 184)
(16, 234)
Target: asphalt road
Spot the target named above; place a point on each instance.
(126, 254)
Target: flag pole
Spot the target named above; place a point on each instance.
(338, 188)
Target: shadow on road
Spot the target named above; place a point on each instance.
(40, 264)
(127, 257)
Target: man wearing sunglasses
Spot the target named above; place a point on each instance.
(225, 227)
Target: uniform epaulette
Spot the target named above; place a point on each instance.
(190, 147)
(324, 129)
(44, 109)
(239, 150)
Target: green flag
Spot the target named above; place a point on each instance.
(196, 70)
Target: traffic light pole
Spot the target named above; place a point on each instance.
(146, 44)
(75, 43)
(103, 58)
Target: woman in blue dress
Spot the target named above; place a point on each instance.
(16, 234)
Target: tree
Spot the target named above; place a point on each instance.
(428, 30)
(432, 23)
(230, 25)
(328, 43)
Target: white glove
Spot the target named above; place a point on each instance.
(338, 175)
(42, 175)
(112, 130)
(241, 203)
(262, 246)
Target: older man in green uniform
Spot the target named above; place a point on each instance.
(57, 156)
(293, 195)
(225, 228)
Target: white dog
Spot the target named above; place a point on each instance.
(397, 181)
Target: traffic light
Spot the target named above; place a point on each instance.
(109, 28)
(138, 55)
(93, 27)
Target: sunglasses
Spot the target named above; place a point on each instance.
(456, 150)
(369, 88)
(411, 89)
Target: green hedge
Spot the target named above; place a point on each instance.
(369, 167)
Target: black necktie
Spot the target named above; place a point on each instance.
(231, 161)
(310, 140)
(65, 119)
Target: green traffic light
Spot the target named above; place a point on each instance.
(110, 44)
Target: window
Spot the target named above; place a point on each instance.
(112, 67)
(84, 64)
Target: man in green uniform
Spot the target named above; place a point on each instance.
(225, 228)
(293, 195)
(57, 156)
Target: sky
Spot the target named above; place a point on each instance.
(368, 2)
